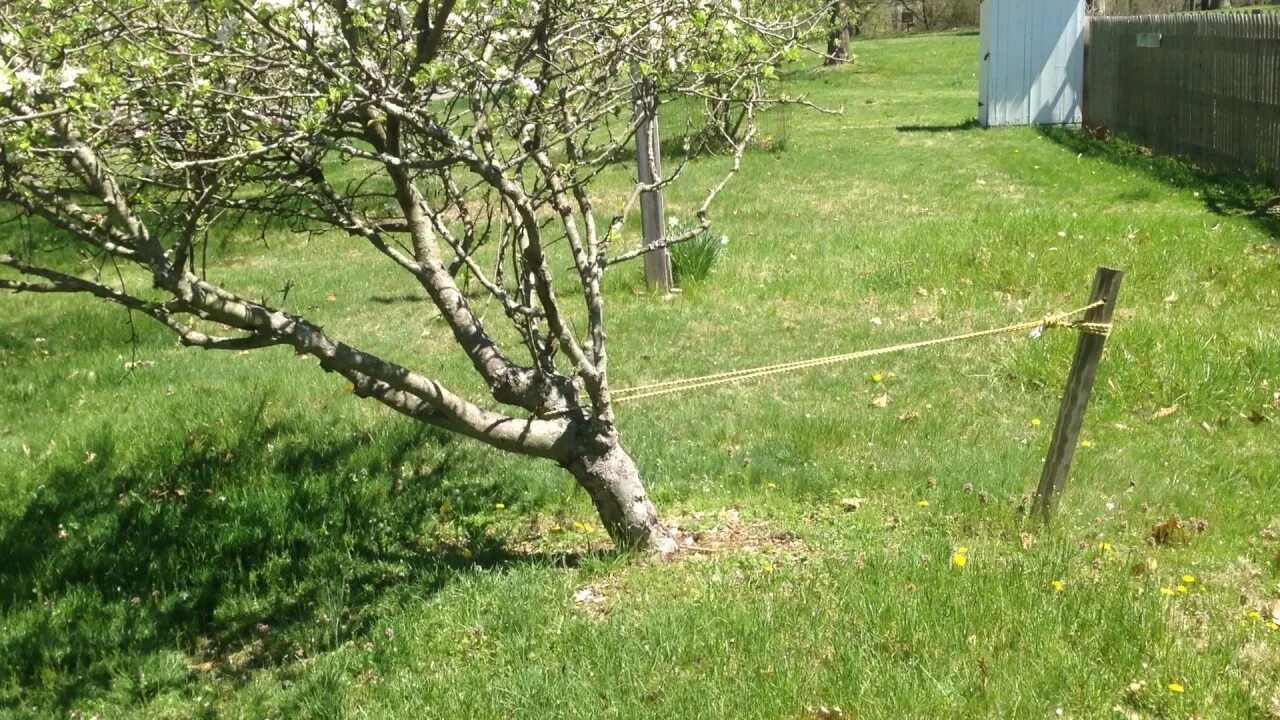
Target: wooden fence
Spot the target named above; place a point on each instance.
(1202, 85)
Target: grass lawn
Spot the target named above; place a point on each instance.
(232, 535)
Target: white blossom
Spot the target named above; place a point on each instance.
(32, 81)
(6, 81)
(69, 75)
(528, 84)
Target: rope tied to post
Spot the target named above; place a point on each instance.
(1037, 327)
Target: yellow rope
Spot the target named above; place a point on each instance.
(674, 386)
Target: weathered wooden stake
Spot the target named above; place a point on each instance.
(657, 263)
(1084, 368)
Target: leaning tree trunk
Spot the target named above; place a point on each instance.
(611, 478)
(837, 35)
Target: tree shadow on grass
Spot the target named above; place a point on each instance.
(970, 124)
(1223, 192)
(243, 543)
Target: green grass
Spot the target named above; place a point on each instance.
(223, 535)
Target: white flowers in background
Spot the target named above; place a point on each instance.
(31, 81)
(275, 4)
(724, 240)
(68, 76)
(673, 221)
(502, 73)
(6, 81)
(527, 84)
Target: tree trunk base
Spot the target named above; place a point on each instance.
(612, 480)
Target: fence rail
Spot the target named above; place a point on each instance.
(1205, 86)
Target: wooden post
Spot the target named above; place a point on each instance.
(657, 263)
(1084, 368)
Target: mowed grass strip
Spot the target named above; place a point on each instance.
(192, 534)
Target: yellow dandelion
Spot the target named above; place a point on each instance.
(1166, 591)
(556, 528)
(499, 506)
(922, 503)
(1086, 443)
(588, 527)
(876, 377)
(962, 550)
(767, 568)
(446, 507)
(1182, 588)
(1104, 547)
(1175, 688)
(1274, 625)
(959, 560)
(349, 388)
(1188, 579)
(770, 486)
(1035, 422)
(1059, 585)
(1253, 615)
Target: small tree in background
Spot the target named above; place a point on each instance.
(452, 136)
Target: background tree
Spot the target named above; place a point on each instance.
(453, 136)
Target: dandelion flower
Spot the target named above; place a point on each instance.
(1188, 579)
(1086, 444)
(1166, 591)
(1175, 688)
(1182, 588)
(962, 550)
(499, 506)
(1059, 585)
(767, 568)
(922, 503)
(1104, 547)
(1035, 422)
(876, 377)
(770, 486)
(1253, 615)
(959, 560)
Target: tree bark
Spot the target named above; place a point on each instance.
(609, 475)
(837, 35)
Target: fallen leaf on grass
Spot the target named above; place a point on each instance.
(822, 712)
(909, 416)
(1171, 298)
(587, 594)
(1164, 412)
(1176, 531)
(850, 504)
(1145, 566)
(880, 401)
(1026, 540)
(1204, 424)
